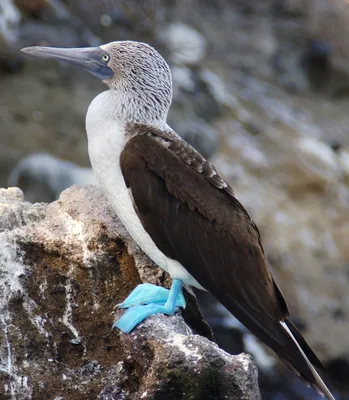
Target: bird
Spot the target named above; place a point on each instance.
(176, 205)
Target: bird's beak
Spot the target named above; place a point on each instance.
(87, 58)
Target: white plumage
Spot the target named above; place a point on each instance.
(106, 140)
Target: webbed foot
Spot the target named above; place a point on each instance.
(147, 293)
(146, 300)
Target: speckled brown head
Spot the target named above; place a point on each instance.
(135, 63)
(134, 70)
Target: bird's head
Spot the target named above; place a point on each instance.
(135, 71)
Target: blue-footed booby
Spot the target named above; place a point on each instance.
(176, 205)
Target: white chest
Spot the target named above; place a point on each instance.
(105, 143)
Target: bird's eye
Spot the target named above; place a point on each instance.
(105, 57)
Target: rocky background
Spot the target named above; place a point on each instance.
(261, 87)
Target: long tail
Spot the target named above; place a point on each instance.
(305, 350)
(282, 337)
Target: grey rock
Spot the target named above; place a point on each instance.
(200, 135)
(186, 44)
(44, 34)
(43, 177)
(112, 393)
(14, 211)
(9, 23)
(63, 267)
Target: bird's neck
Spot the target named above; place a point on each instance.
(107, 133)
(123, 108)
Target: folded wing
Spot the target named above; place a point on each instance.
(193, 216)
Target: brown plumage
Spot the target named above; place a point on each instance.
(193, 216)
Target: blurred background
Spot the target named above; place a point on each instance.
(261, 88)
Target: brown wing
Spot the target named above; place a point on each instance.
(193, 216)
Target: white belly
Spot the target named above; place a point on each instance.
(105, 143)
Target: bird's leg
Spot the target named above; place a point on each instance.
(140, 304)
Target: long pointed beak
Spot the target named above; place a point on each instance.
(92, 59)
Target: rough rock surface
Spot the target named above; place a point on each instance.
(63, 267)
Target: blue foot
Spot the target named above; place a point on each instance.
(150, 300)
(135, 315)
(147, 293)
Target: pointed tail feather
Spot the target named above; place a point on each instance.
(282, 337)
(306, 352)
(311, 356)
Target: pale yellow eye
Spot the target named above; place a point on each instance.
(105, 57)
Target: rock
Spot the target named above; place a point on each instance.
(187, 357)
(182, 79)
(318, 160)
(64, 266)
(30, 6)
(309, 163)
(186, 45)
(9, 25)
(327, 29)
(329, 23)
(344, 160)
(45, 34)
(43, 177)
(14, 211)
(119, 20)
(200, 135)
(218, 89)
